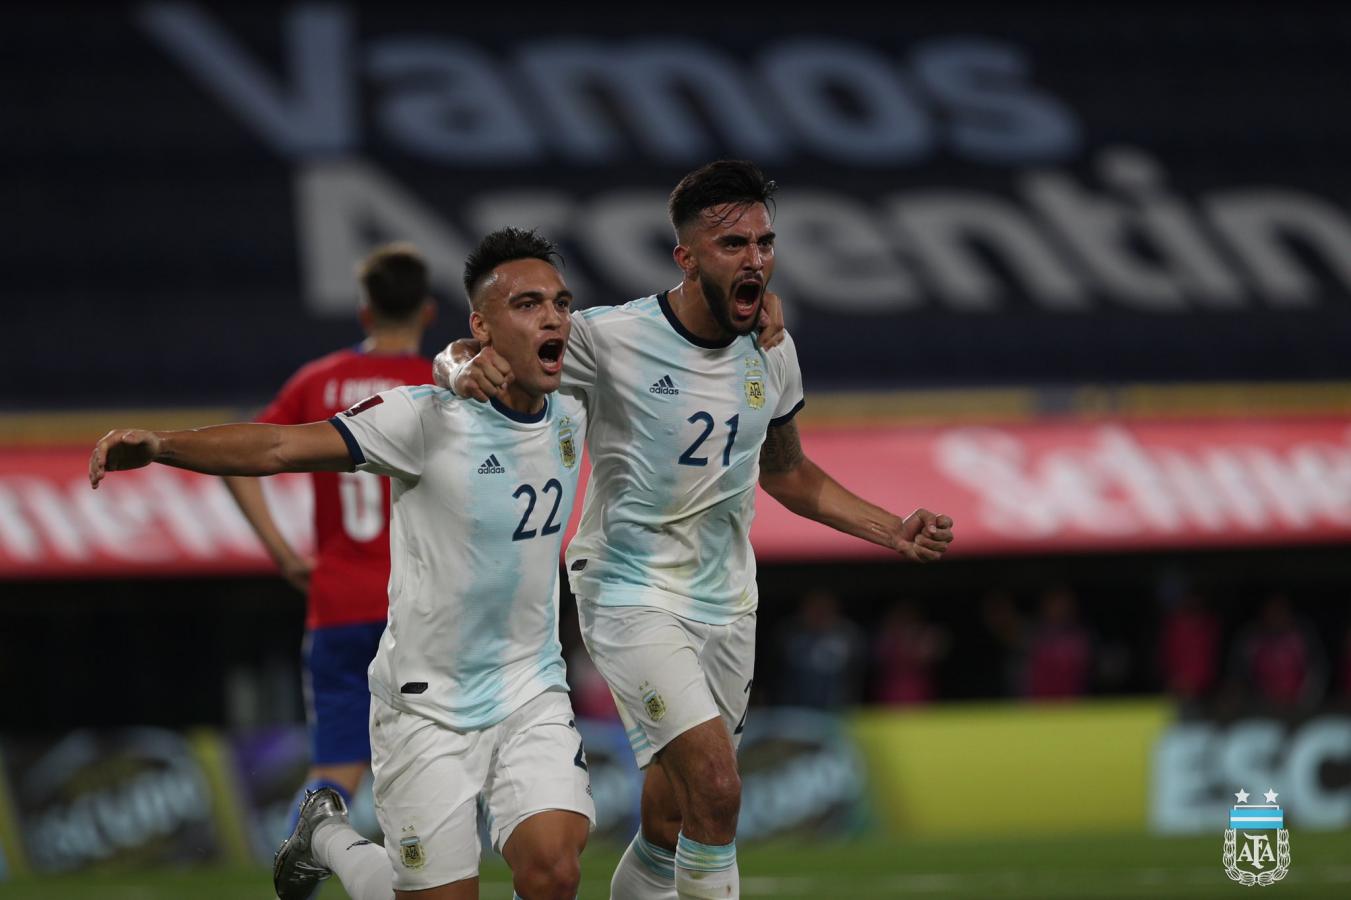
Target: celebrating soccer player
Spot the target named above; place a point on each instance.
(469, 698)
(687, 411)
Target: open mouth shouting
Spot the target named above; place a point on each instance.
(551, 356)
(746, 299)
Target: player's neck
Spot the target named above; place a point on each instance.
(688, 303)
(392, 342)
(517, 399)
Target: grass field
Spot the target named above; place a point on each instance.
(1128, 867)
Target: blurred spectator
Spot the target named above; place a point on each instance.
(906, 652)
(822, 655)
(1278, 661)
(1059, 649)
(1189, 648)
(1000, 650)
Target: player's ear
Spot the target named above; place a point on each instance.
(685, 259)
(428, 314)
(478, 327)
(366, 317)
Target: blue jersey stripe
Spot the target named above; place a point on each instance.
(353, 448)
(787, 417)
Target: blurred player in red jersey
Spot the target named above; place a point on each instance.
(347, 582)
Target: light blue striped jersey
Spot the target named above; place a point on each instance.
(481, 495)
(675, 429)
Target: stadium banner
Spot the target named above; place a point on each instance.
(1199, 764)
(266, 766)
(999, 770)
(1037, 487)
(985, 194)
(130, 798)
(141, 798)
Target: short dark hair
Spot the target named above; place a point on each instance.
(735, 181)
(394, 278)
(502, 246)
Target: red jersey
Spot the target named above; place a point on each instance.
(350, 581)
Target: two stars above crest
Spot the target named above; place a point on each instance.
(1270, 795)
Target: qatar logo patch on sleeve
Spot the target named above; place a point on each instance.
(364, 405)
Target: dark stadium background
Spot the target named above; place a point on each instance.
(1058, 223)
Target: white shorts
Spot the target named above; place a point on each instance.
(670, 674)
(430, 779)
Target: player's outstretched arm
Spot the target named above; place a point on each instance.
(248, 493)
(803, 487)
(472, 370)
(245, 449)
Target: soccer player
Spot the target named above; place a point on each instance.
(347, 583)
(686, 412)
(469, 697)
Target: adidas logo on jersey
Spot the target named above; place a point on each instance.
(663, 385)
(491, 466)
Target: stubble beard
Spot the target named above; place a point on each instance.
(719, 306)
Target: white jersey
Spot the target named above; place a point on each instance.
(676, 427)
(481, 495)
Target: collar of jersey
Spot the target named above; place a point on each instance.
(523, 418)
(685, 332)
(359, 350)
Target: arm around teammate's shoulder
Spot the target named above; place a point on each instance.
(472, 370)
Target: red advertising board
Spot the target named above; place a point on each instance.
(1043, 487)
(1051, 487)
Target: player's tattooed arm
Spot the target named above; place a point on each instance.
(803, 487)
(782, 450)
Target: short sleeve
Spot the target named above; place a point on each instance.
(384, 434)
(579, 362)
(784, 369)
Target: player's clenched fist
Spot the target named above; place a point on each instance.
(924, 536)
(124, 448)
(486, 375)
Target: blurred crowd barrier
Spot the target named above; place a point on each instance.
(145, 797)
(139, 797)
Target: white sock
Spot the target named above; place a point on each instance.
(645, 872)
(361, 866)
(706, 871)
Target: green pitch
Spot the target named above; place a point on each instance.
(1078, 868)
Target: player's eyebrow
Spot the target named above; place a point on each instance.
(539, 295)
(728, 238)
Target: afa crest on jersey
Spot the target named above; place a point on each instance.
(755, 382)
(567, 445)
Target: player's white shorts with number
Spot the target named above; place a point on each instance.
(429, 778)
(669, 674)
